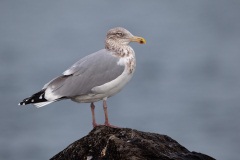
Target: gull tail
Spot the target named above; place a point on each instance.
(38, 99)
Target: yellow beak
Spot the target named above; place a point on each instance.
(140, 40)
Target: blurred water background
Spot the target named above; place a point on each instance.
(187, 82)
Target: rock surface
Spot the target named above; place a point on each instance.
(105, 143)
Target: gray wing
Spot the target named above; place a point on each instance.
(93, 70)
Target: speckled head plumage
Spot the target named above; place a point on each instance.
(119, 36)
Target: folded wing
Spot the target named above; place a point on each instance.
(93, 70)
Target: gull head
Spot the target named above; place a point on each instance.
(121, 36)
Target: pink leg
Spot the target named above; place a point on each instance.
(93, 115)
(106, 115)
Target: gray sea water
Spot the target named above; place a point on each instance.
(187, 82)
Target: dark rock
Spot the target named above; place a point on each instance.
(105, 143)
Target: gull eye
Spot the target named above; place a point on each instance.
(119, 34)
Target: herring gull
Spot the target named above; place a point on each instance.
(95, 77)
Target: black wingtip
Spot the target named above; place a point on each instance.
(35, 98)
